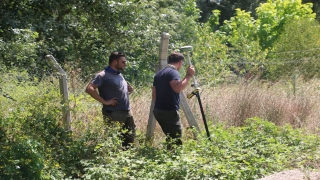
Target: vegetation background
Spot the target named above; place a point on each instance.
(257, 63)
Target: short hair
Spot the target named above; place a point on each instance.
(175, 57)
(115, 56)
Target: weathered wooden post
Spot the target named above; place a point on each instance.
(63, 91)
(163, 54)
(188, 113)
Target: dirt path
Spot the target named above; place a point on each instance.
(294, 174)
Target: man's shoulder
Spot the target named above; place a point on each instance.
(108, 75)
(168, 70)
(101, 73)
(104, 73)
(167, 74)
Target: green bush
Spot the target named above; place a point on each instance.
(35, 146)
(248, 152)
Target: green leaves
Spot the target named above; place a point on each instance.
(257, 148)
(296, 50)
(274, 14)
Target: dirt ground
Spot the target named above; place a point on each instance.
(294, 174)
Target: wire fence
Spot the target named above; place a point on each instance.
(84, 109)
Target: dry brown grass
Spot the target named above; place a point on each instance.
(233, 104)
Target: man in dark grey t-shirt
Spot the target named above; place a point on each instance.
(114, 95)
(165, 93)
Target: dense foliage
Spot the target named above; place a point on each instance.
(228, 8)
(82, 34)
(256, 149)
(35, 146)
(272, 40)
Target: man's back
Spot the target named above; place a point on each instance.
(167, 99)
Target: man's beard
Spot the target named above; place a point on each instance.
(119, 68)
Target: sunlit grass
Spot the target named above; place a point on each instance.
(243, 145)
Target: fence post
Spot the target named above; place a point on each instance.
(63, 91)
(163, 52)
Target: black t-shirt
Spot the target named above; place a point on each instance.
(166, 98)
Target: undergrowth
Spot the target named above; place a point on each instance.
(35, 146)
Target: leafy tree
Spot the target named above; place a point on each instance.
(315, 7)
(85, 32)
(274, 14)
(82, 34)
(296, 51)
(22, 48)
(227, 8)
(251, 39)
(210, 56)
(245, 53)
(66, 26)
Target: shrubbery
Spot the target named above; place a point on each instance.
(35, 146)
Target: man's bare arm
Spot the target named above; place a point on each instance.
(91, 90)
(178, 86)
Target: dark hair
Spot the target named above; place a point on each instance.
(115, 56)
(175, 57)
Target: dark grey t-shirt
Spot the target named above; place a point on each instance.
(112, 85)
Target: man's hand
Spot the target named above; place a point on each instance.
(178, 85)
(91, 89)
(111, 102)
(130, 89)
(190, 71)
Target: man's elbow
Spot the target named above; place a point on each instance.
(177, 90)
(89, 89)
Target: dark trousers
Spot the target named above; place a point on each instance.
(125, 118)
(171, 125)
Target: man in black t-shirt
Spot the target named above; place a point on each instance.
(165, 93)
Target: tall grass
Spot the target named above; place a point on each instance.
(230, 104)
(34, 143)
(234, 103)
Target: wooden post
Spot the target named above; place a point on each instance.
(163, 53)
(151, 123)
(188, 113)
(63, 91)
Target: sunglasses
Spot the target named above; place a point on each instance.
(123, 62)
